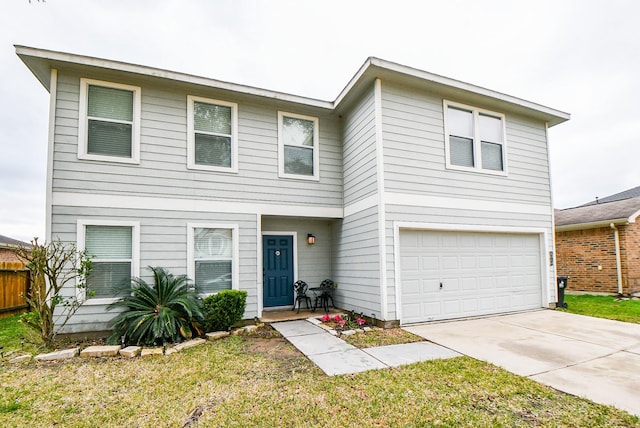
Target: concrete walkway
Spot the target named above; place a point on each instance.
(334, 356)
(590, 357)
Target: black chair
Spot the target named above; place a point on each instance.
(324, 294)
(300, 288)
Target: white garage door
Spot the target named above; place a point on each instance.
(447, 275)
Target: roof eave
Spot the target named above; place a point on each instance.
(593, 225)
(39, 61)
(376, 67)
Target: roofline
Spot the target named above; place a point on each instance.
(372, 63)
(45, 54)
(595, 224)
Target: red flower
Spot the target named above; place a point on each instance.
(326, 317)
(341, 323)
(337, 318)
(361, 321)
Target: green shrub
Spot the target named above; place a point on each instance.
(168, 311)
(224, 309)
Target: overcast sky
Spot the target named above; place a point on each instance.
(581, 57)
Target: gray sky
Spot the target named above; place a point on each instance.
(579, 56)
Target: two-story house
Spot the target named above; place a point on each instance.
(423, 197)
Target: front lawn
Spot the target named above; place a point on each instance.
(257, 381)
(603, 307)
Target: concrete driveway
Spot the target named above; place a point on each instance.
(589, 357)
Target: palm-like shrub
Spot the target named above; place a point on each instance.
(167, 311)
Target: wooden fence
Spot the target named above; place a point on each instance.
(14, 283)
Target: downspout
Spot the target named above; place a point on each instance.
(616, 236)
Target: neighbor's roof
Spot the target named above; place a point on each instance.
(41, 61)
(621, 208)
(6, 242)
(629, 193)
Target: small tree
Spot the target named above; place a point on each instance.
(52, 266)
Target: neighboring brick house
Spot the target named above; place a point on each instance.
(6, 255)
(598, 244)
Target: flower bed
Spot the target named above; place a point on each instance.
(344, 324)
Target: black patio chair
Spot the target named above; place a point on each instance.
(300, 288)
(324, 295)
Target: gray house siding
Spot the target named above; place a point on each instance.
(163, 242)
(360, 150)
(414, 153)
(356, 261)
(163, 151)
(414, 159)
(314, 261)
(382, 167)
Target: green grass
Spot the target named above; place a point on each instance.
(609, 307)
(11, 333)
(380, 337)
(262, 380)
(253, 381)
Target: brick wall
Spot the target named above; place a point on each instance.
(630, 249)
(589, 258)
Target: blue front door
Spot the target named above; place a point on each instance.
(277, 263)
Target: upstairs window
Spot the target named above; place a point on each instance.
(475, 139)
(212, 139)
(298, 155)
(109, 125)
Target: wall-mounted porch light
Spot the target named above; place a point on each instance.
(311, 239)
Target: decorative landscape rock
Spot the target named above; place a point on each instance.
(58, 355)
(189, 344)
(217, 335)
(130, 351)
(146, 352)
(20, 359)
(100, 351)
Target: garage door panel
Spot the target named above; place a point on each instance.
(481, 273)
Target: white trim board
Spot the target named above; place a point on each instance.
(192, 205)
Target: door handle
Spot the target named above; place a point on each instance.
(440, 286)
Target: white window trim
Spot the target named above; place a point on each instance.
(477, 154)
(191, 140)
(84, 119)
(316, 147)
(235, 262)
(81, 294)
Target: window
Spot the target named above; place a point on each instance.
(112, 247)
(109, 125)
(213, 256)
(212, 134)
(298, 155)
(475, 139)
